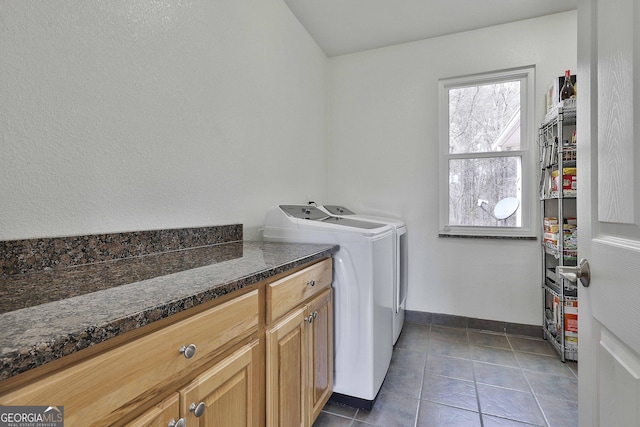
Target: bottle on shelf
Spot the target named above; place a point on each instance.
(567, 90)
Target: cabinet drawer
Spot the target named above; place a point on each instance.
(103, 388)
(288, 292)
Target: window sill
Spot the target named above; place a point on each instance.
(478, 236)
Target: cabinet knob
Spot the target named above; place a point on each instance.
(188, 351)
(198, 409)
(311, 282)
(315, 314)
(180, 423)
(309, 318)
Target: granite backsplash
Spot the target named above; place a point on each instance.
(34, 255)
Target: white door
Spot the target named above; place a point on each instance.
(609, 211)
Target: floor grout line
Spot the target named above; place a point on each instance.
(424, 369)
(475, 382)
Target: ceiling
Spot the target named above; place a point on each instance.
(347, 26)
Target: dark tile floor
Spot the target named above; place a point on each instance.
(442, 376)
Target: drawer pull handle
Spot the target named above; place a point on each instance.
(180, 423)
(198, 409)
(188, 351)
(311, 282)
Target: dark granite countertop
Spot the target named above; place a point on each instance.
(45, 315)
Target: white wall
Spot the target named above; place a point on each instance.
(383, 158)
(119, 115)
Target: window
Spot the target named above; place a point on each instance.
(486, 142)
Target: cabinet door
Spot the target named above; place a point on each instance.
(321, 384)
(225, 395)
(287, 359)
(161, 414)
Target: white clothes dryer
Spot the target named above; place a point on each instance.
(362, 274)
(400, 266)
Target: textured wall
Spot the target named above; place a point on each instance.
(132, 115)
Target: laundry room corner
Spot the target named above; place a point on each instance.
(383, 139)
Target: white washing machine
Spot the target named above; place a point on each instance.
(362, 274)
(400, 266)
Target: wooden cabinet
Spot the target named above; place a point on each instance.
(109, 387)
(289, 292)
(287, 365)
(321, 369)
(299, 351)
(207, 368)
(225, 395)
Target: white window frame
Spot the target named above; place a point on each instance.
(527, 146)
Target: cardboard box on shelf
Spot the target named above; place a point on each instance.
(571, 318)
(549, 222)
(551, 238)
(569, 181)
(571, 325)
(570, 237)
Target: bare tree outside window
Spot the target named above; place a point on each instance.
(484, 161)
